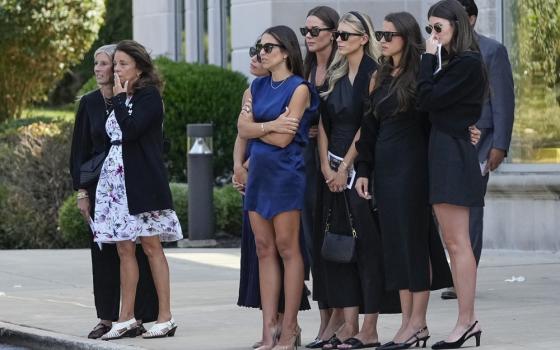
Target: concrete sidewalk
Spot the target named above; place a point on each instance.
(51, 290)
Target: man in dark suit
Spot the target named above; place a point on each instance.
(495, 123)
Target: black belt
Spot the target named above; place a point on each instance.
(116, 142)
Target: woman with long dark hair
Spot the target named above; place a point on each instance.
(274, 194)
(249, 290)
(452, 90)
(89, 140)
(320, 23)
(394, 144)
(133, 201)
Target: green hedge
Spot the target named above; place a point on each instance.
(72, 226)
(35, 181)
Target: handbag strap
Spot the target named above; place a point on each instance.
(348, 215)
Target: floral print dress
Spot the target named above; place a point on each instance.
(113, 221)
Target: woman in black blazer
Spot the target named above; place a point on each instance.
(133, 200)
(452, 91)
(89, 139)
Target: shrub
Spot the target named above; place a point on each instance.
(73, 228)
(34, 174)
(196, 93)
(228, 209)
(116, 26)
(38, 39)
(179, 192)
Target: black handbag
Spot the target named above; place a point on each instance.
(339, 247)
(90, 170)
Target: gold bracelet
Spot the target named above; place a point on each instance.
(82, 195)
(345, 165)
(262, 128)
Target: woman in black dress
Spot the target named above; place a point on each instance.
(394, 141)
(355, 285)
(89, 138)
(321, 47)
(453, 96)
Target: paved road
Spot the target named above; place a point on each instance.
(51, 289)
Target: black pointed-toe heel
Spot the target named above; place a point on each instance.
(459, 342)
(415, 340)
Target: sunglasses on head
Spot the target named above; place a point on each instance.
(344, 36)
(268, 47)
(314, 31)
(387, 35)
(437, 27)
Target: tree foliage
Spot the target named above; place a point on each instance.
(39, 40)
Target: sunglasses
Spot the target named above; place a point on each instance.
(344, 36)
(314, 31)
(387, 35)
(268, 47)
(438, 27)
(253, 51)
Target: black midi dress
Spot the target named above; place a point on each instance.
(360, 283)
(396, 144)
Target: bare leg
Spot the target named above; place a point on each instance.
(368, 333)
(336, 322)
(325, 315)
(351, 323)
(454, 222)
(417, 319)
(406, 307)
(269, 273)
(160, 273)
(129, 278)
(286, 227)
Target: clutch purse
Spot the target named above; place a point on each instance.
(90, 170)
(339, 247)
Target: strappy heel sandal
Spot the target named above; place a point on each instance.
(415, 340)
(459, 342)
(121, 330)
(161, 330)
(296, 341)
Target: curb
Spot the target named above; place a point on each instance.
(39, 339)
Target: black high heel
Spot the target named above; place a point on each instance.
(459, 342)
(414, 340)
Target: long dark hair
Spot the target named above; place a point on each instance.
(463, 34)
(288, 39)
(330, 17)
(149, 75)
(404, 84)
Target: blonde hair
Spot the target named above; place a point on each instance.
(339, 66)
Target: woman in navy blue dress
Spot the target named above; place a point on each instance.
(274, 194)
(249, 290)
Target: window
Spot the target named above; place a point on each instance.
(532, 36)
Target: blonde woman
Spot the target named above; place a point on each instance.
(358, 284)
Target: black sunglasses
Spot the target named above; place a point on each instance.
(387, 35)
(437, 27)
(268, 47)
(344, 36)
(314, 31)
(254, 52)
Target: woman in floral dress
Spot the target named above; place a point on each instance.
(133, 200)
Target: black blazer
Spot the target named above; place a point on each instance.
(453, 97)
(89, 137)
(141, 123)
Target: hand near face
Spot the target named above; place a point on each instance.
(431, 45)
(118, 87)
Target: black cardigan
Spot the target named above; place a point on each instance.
(89, 137)
(147, 186)
(453, 97)
(141, 123)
